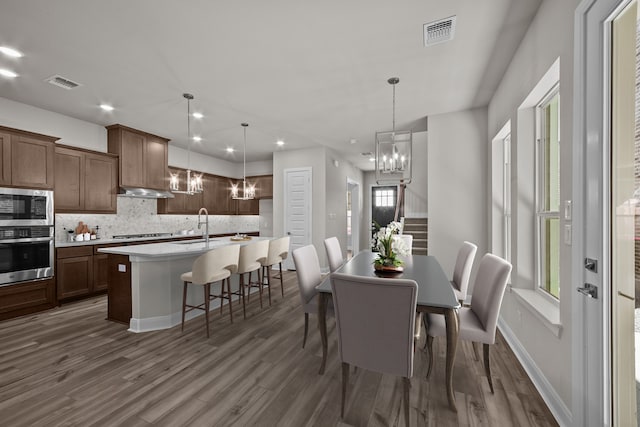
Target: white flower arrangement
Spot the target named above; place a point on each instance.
(389, 246)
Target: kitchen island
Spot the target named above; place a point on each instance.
(145, 289)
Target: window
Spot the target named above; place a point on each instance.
(385, 198)
(506, 197)
(548, 194)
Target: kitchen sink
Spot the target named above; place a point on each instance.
(189, 242)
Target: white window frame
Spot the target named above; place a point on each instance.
(542, 215)
(387, 196)
(506, 197)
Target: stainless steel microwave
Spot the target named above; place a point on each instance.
(19, 206)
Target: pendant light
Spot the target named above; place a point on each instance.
(194, 180)
(248, 192)
(393, 150)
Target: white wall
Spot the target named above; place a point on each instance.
(457, 171)
(415, 203)
(78, 133)
(550, 36)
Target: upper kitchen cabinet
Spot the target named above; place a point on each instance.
(85, 181)
(264, 186)
(181, 203)
(26, 159)
(142, 157)
(5, 158)
(217, 195)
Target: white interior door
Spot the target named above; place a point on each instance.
(297, 209)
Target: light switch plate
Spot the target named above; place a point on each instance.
(567, 210)
(122, 268)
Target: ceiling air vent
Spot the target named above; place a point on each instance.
(62, 82)
(439, 31)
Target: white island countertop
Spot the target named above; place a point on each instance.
(174, 250)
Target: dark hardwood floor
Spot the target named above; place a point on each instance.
(71, 367)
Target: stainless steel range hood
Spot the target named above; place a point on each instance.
(145, 193)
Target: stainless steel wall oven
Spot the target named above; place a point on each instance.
(26, 235)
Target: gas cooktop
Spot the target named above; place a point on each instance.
(137, 236)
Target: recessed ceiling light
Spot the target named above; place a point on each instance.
(353, 140)
(372, 159)
(11, 52)
(106, 107)
(197, 138)
(7, 73)
(280, 143)
(230, 150)
(198, 115)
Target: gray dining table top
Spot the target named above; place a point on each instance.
(434, 288)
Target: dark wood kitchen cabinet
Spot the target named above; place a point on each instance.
(74, 271)
(86, 181)
(82, 270)
(217, 195)
(119, 300)
(5, 158)
(264, 186)
(188, 204)
(143, 157)
(23, 298)
(26, 159)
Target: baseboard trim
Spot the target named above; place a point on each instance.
(560, 411)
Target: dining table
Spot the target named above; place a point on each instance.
(435, 295)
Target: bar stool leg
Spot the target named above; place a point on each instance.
(269, 283)
(184, 303)
(281, 282)
(229, 296)
(259, 286)
(244, 306)
(207, 289)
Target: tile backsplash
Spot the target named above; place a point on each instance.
(137, 216)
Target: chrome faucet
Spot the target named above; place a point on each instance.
(205, 222)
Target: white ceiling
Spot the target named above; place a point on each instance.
(308, 72)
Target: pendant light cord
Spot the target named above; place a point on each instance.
(394, 108)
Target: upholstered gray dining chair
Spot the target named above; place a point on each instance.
(278, 251)
(478, 321)
(307, 266)
(213, 266)
(407, 239)
(462, 270)
(334, 253)
(377, 335)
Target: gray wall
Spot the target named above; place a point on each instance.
(457, 171)
(336, 193)
(329, 189)
(550, 36)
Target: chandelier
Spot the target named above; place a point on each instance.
(248, 192)
(194, 180)
(393, 151)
